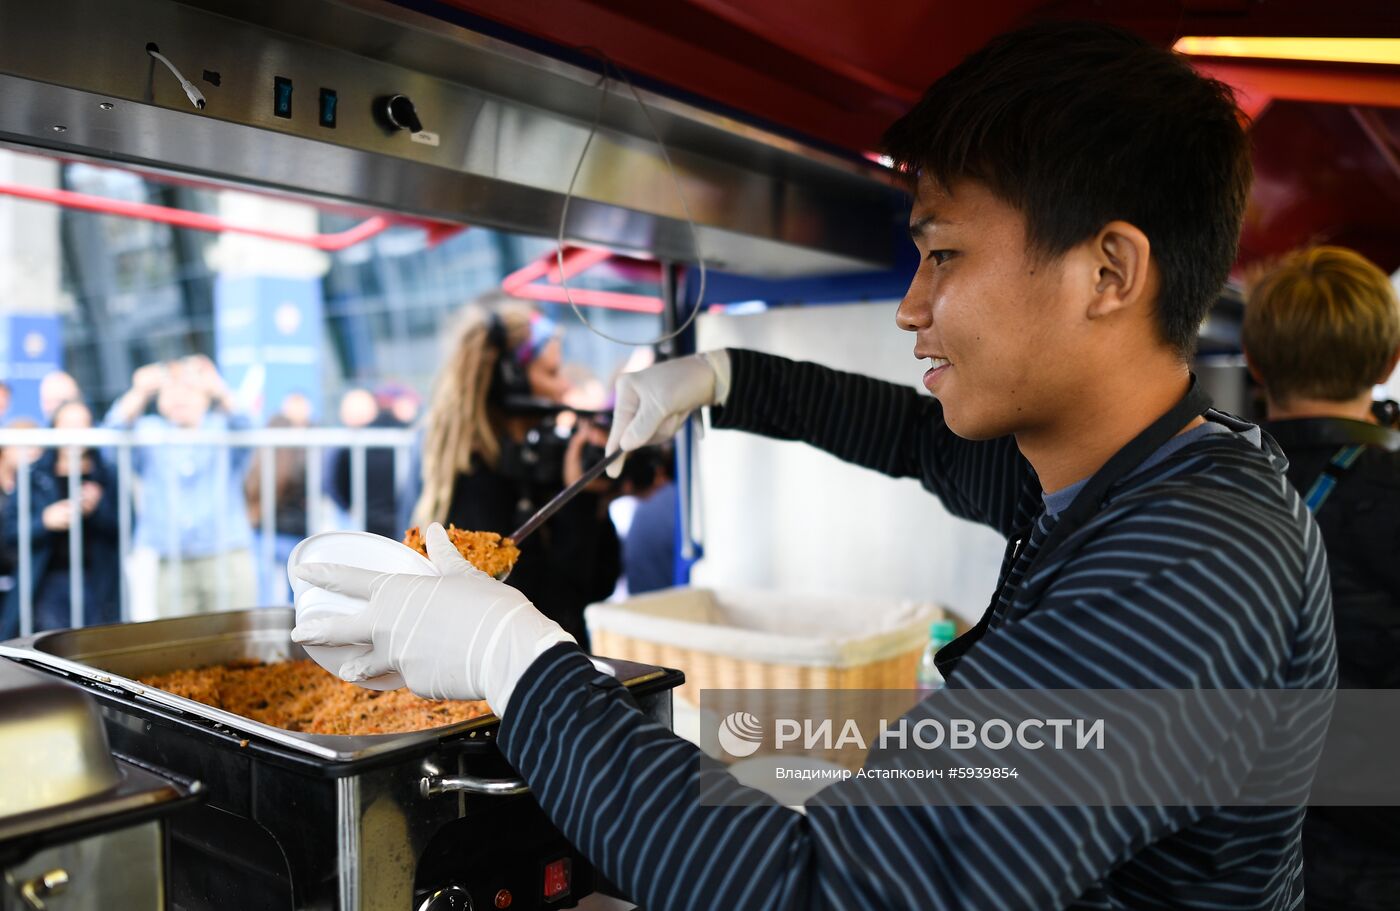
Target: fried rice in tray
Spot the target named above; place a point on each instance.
(486, 550)
(300, 696)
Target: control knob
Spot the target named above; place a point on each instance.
(398, 112)
(452, 898)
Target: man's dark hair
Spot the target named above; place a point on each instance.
(1080, 124)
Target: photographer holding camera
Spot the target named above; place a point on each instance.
(494, 451)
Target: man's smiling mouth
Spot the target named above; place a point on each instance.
(938, 366)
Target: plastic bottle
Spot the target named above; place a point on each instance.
(940, 633)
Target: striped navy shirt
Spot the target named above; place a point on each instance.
(1203, 570)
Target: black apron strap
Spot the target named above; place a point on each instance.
(1332, 474)
(946, 658)
(1123, 463)
(1086, 504)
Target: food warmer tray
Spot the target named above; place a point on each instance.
(109, 659)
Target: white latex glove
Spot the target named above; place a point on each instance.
(652, 404)
(460, 635)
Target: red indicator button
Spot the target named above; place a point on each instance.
(556, 879)
(504, 898)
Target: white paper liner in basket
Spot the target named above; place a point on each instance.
(773, 627)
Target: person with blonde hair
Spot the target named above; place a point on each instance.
(1321, 329)
(503, 370)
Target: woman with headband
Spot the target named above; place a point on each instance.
(506, 352)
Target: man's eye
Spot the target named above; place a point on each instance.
(940, 257)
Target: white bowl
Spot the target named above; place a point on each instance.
(351, 548)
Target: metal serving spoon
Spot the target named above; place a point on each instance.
(560, 499)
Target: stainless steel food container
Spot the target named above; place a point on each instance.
(310, 821)
(79, 825)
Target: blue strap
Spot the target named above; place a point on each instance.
(1335, 470)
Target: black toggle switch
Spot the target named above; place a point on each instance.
(398, 113)
(282, 96)
(329, 101)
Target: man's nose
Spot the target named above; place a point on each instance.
(914, 312)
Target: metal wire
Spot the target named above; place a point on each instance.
(675, 179)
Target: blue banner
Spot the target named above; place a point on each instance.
(268, 340)
(33, 348)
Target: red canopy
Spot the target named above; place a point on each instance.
(838, 71)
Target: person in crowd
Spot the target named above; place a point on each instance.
(296, 409)
(53, 512)
(399, 402)
(289, 515)
(10, 459)
(408, 405)
(1321, 329)
(585, 391)
(56, 388)
(473, 466)
(649, 548)
(6, 396)
(1077, 197)
(12, 456)
(359, 408)
(191, 507)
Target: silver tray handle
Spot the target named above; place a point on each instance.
(436, 785)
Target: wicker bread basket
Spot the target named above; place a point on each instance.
(767, 640)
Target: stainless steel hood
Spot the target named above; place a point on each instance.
(510, 124)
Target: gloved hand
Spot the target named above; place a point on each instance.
(652, 404)
(460, 635)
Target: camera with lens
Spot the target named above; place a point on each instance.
(538, 458)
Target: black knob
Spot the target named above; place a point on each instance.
(398, 112)
(453, 898)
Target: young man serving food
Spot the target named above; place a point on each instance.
(1077, 202)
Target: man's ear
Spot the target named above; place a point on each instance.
(1253, 370)
(1389, 368)
(1121, 256)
